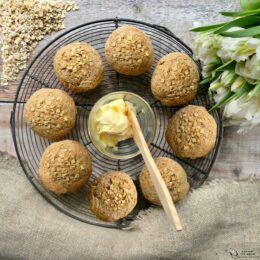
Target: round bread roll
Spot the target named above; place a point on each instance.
(191, 132)
(174, 176)
(175, 79)
(51, 113)
(112, 196)
(65, 166)
(78, 67)
(129, 51)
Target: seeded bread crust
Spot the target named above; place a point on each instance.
(129, 51)
(174, 176)
(191, 132)
(65, 166)
(175, 79)
(51, 113)
(112, 196)
(78, 67)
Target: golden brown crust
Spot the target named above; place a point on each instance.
(129, 51)
(191, 132)
(175, 79)
(78, 67)
(112, 196)
(65, 166)
(51, 113)
(174, 176)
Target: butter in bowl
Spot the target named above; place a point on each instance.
(110, 130)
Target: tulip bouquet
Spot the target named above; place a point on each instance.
(230, 57)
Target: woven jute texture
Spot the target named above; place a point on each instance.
(221, 220)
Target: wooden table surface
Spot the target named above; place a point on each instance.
(239, 155)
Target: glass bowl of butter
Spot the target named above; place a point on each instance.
(110, 130)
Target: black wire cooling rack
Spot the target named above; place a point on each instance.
(29, 146)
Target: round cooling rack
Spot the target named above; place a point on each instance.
(40, 74)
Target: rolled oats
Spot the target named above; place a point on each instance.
(23, 23)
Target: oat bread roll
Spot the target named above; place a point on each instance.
(65, 166)
(175, 79)
(174, 176)
(78, 67)
(129, 50)
(112, 196)
(191, 132)
(51, 113)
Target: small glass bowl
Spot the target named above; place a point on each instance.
(125, 149)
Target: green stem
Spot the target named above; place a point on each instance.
(231, 95)
(230, 65)
(254, 92)
(253, 31)
(207, 28)
(222, 101)
(207, 80)
(250, 4)
(244, 22)
(240, 13)
(244, 89)
(217, 61)
(240, 22)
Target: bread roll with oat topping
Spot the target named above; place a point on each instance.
(78, 67)
(65, 167)
(175, 79)
(51, 113)
(112, 196)
(129, 51)
(191, 132)
(173, 175)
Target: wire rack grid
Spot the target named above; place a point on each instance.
(29, 146)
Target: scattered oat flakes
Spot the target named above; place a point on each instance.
(23, 23)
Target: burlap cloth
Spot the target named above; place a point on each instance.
(221, 221)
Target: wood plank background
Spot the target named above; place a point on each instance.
(239, 155)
